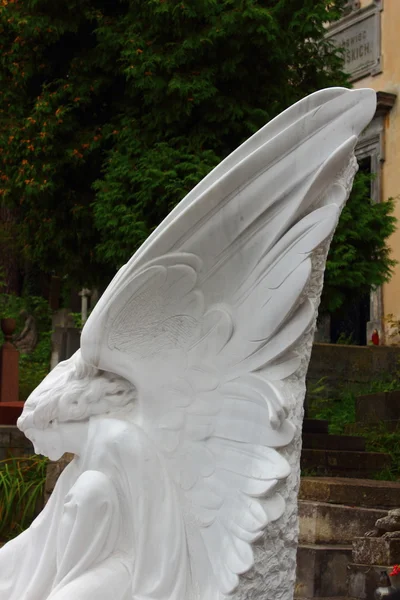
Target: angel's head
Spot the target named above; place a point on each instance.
(72, 393)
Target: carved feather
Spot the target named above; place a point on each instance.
(207, 316)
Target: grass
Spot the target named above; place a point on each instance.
(22, 481)
(337, 408)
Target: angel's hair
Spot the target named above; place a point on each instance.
(80, 392)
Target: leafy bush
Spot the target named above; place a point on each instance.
(359, 257)
(110, 112)
(22, 483)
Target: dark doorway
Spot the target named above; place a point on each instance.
(349, 323)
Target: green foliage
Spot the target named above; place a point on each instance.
(359, 257)
(22, 483)
(338, 407)
(379, 439)
(393, 332)
(345, 340)
(33, 367)
(77, 319)
(110, 112)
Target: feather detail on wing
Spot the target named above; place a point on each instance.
(207, 316)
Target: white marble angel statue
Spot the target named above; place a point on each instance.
(183, 406)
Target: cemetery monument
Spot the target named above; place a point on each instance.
(184, 405)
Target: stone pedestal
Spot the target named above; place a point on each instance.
(322, 571)
(363, 580)
(371, 556)
(376, 551)
(65, 340)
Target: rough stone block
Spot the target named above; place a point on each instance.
(322, 571)
(357, 492)
(334, 524)
(376, 551)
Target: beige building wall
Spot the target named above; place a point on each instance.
(365, 40)
(389, 81)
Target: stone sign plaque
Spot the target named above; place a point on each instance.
(360, 37)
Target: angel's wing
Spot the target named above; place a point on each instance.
(206, 317)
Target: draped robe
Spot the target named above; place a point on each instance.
(112, 523)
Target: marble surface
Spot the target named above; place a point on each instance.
(183, 406)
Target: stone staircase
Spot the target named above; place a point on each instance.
(338, 455)
(334, 515)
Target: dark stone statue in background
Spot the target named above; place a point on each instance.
(26, 341)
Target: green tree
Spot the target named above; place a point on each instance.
(111, 111)
(359, 257)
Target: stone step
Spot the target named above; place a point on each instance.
(357, 492)
(381, 406)
(322, 571)
(315, 426)
(324, 523)
(323, 441)
(343, 463)
(359, 428)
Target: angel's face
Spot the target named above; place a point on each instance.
(48, 442)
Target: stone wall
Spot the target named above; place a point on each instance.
(342, 364)
(13, 442)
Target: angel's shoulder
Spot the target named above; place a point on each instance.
(124, 434)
